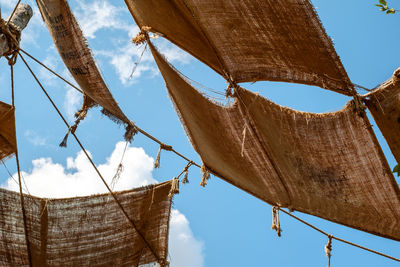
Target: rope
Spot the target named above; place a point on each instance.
(21, 195)
(12, 13)
(276, 225)
(328, 250)
(146, 134)
(52, 71)
(92, 163)
(339, 239)
(138, 61)
(120, 168)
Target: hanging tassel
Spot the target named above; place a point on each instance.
(328, 250)
(141, 36)
(243, 139)
(71, 129)
(174, 187)
(157, 161)
(185, 179)
(117, 175)
(276, 225)
(130, 131)
(64, 141)
(206, 176)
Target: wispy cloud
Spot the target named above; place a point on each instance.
(34, 138)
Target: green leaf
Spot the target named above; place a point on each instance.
(379, 5)
(396, 169)
(383, 2)
(391, 11)
(383, 8)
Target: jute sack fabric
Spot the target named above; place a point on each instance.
(74, 51)
(86, 231)
(384, 104)
(8, 140)
(328, 165)
(249, 40)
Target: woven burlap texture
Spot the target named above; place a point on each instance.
(249, 40)
(384, 104)
(86, 231)
(328, 165)
(74, 51)
(8, 141)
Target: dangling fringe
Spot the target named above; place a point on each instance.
(174, 187)
(64, 141)
(206, 176)
(243, 139)
(328, 250)
(140, 38)
(117, 175)
(71, 129)
(79, 115)
(276, 225)
(185, 179)
(130, 131)
(157, 161)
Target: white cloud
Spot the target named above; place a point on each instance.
(99, 15)
(53, 180)
(185, 250)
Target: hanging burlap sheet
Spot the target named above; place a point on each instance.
(74, 51)
(250, 40)
(8, 140)
(86, 231)
(384, 104)
(328, 165)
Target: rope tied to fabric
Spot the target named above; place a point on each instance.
(174, 187)
(158, 158)
(358, 104)
(276, 225)
(328, 249)
(205, 175)
(142, 36)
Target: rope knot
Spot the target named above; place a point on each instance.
(174, 187)
(165, 147)
(358, 104)
(205, 177)
(13, 36)
(185, 179)
(142, 36)
(328, 249)
(276, 225)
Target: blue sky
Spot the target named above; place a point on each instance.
(214, 226)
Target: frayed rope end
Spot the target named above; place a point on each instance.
(174, 187)
(205, 177)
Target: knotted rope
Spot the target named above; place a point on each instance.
(205, 177)
(142, 36)
(276, 225)
(328, 249)
(185, 179)
(13, 37)
(158, 158)
(174, 187)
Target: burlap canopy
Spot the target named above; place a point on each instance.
(8, 140)
(384, 104)
(329, 165)
(249, 40)
(86, 231)
(74, 51)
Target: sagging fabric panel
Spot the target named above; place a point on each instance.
(74, 51)
(249, 40)
(8, 140)
(328, 165)
(86, 231)
(384, 105)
